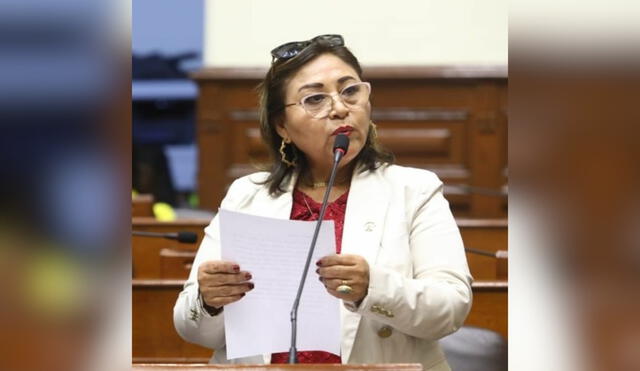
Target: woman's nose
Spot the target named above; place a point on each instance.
(338, 108)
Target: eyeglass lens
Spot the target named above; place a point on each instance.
(319, 105)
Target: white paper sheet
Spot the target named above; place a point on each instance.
(274, 251)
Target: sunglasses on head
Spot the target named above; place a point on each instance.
(291, 49)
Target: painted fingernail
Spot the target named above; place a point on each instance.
(243, 294)
(251, 286)
(318, 270)
(320, 279)
(319, 263)
(236, 268)
(248, 276)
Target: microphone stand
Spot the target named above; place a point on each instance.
(293, 353)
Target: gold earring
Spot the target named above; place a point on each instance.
(283, 155)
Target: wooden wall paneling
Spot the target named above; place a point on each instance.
(250, 154)
(485, 152)
(428, 116)
(420, 92)
(433, 106)
(424, 142)
(211, 139)
(503, 122)
(241, 98)
(417, 141)
(438, 146)
(454, 178)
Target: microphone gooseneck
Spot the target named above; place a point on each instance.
(340, 148)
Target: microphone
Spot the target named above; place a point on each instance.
(500, 254)
(184, 237)
(501, 257)
(340, 148)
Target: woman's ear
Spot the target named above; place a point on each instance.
(280, 129)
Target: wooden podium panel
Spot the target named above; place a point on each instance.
(287, 367)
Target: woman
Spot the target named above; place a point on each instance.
(398, 247)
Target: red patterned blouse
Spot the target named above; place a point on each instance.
(305, 208)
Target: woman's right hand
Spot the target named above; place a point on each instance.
(222, 282)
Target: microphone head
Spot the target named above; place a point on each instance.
(341, 143)
(187, 237)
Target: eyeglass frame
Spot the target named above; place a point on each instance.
(332, 95)
(279, 54)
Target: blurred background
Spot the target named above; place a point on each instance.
(64, 158)
(167, 44)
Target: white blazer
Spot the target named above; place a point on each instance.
(419, 281)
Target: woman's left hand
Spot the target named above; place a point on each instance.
(350, 270)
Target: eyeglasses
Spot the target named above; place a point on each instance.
(319, 105)
(291, 49)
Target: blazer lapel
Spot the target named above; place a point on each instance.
(369, 198)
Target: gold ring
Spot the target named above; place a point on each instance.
(344, 288)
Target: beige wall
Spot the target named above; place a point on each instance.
(388, 32)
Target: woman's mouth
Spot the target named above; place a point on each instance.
(346, 130)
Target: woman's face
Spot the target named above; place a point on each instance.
(315, 136)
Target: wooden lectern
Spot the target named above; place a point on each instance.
(287, 367)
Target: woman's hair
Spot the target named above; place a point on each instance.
(271, 110)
